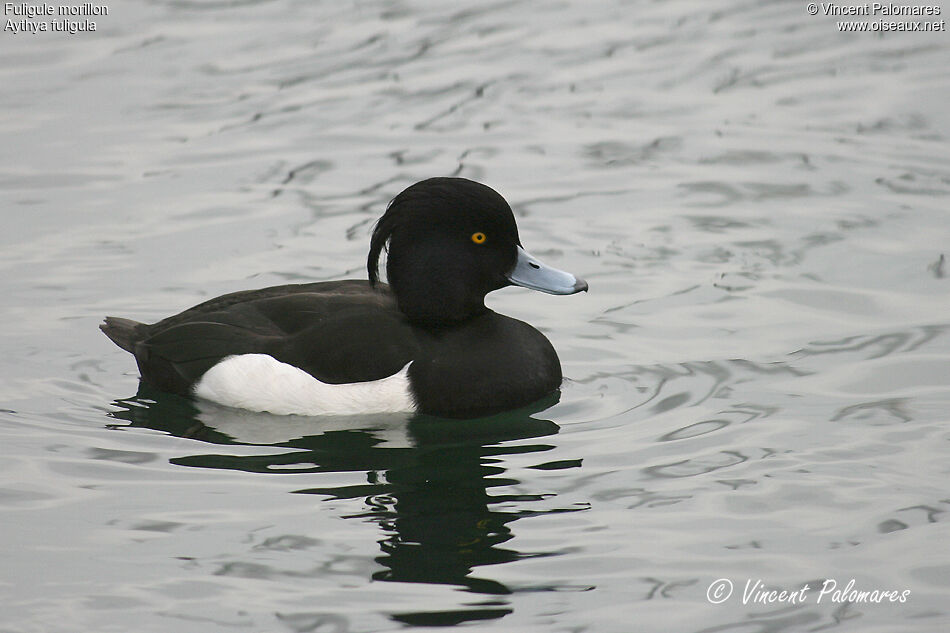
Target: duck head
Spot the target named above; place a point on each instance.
(450, 242)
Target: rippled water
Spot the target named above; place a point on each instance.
(757, 384)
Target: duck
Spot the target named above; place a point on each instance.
(423, 342)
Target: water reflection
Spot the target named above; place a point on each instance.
(429, 482)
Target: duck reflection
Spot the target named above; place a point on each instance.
(429, 481)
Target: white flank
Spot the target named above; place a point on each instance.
(259, 382)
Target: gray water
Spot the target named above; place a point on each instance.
(757, 385)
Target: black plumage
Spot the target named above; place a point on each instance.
(466, 359)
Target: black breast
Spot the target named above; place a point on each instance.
(487, 364)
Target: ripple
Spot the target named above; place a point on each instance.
(757, 378)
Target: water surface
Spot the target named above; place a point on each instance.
(757, 384)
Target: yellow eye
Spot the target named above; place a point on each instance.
(479, 238)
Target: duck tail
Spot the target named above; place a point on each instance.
(122, 332)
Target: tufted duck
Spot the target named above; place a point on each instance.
(425, 342)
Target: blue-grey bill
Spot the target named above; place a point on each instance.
(531, 272)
